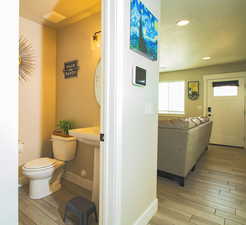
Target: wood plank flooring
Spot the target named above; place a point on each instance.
(49, 210)
(214, 194)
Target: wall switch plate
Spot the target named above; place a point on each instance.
(139, 76)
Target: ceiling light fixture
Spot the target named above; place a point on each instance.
(182, 23)
(206, 58)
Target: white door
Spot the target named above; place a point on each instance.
(226, 110)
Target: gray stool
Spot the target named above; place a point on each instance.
(82, 208)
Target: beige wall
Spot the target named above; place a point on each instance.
(76, 99)
(195, 108)
(37, 94)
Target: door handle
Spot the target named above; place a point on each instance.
(209, 109)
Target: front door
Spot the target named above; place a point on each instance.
(226, 110)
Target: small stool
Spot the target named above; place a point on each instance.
(81, 208)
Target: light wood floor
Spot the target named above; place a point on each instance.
(215, 193)
(49, 210)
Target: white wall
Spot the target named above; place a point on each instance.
(30, 96)
(132, 111)
(139, 131)
(9, 113)
(37, 93)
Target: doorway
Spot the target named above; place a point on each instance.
(225, 107)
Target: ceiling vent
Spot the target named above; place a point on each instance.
(54, 17)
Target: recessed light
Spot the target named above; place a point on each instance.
(206, 58)
(183, 23)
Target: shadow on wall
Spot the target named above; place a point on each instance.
(48, 89)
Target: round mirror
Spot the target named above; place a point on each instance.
(98, 82)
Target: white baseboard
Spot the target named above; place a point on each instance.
(148, 214)
(78, 180)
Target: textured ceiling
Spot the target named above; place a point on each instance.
(73, 10)
(217, 29)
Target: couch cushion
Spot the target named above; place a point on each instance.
(182, 123)
(177, 123)
(203, 119)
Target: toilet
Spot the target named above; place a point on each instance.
(45, 173)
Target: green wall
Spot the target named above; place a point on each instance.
(195, 108)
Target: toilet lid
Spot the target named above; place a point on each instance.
(40, 163)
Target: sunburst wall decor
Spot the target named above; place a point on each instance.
(26, 58)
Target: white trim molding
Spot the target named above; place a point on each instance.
(110, 149)
(148, 214)
(78, 180)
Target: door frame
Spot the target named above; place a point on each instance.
(110, 149)
(206, 78)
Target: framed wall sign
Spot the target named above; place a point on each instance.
(71, 69)
(193, 90)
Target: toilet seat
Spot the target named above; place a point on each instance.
(39, 164)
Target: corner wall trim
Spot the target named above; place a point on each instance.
(148, 214)
(76, 179)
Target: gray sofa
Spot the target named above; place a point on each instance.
(181, 143)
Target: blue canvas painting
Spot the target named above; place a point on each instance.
(143, 31)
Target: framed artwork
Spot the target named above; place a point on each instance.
(26, 58)
(143, 31)
(71, 69)
(193, 90)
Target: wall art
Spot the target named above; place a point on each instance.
(26, 58)
(143, 30)
(193, 90)
(71, 69)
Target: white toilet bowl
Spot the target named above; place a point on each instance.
(40, 172)
(45, 173)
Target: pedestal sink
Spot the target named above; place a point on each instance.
(91, 136)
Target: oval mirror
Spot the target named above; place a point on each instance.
(98, 82)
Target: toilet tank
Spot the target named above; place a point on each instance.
(64, 148)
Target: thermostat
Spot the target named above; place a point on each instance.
(139, 76)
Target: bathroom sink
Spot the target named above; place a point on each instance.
(89, 135)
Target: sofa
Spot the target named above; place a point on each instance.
(181, 142)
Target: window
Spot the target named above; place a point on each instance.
(172, 97)
(226, 91)
(225, 88)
